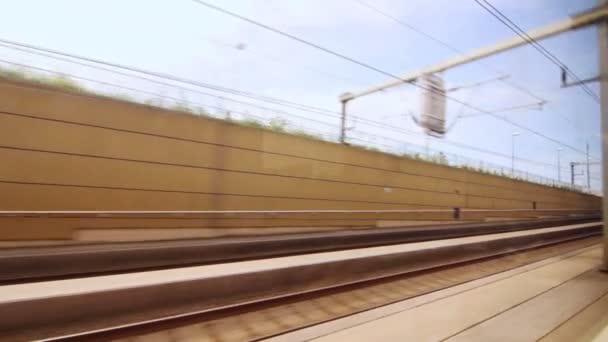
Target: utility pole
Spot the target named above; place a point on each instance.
(603, 60)
(559, 164)
(588, 174)
(343, 122)
(572, 165)
(513, 135)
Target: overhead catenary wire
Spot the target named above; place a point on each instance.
(375, 69)
(460, 52)
(486, 5)
(447, 46)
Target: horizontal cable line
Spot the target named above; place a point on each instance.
(380, 71)
(262, 173)
(188, 212)
(256, 150)
(205, 193)
(178, 79)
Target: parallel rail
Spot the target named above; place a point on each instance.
(278, 318)
(211, 290)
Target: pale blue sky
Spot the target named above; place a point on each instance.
(182, 38)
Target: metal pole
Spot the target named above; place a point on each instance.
(512, 155)
(572, 174)
(603, 60)
(343, 123)
(513, 135)
(559, 165)
(588, 174)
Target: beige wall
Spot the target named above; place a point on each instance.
(63, 151)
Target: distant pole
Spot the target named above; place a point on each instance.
(572, 174)
(513, 135)
(343, 123)
(344, 98)
(588, 174)
(559, 165)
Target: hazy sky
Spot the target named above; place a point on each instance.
(183, 38)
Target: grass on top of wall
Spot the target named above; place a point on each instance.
(276, 124)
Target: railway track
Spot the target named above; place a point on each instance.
(278, 318)
(63, 262)
(269, 297)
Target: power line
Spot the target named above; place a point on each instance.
(370, 67)
(534, 43)
(292, 37)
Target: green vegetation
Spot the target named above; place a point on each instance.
(304, 134)
(439, 158)
(252, 123)
(123, 97)
(278, 124)
(56, 80)
(182, 107)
